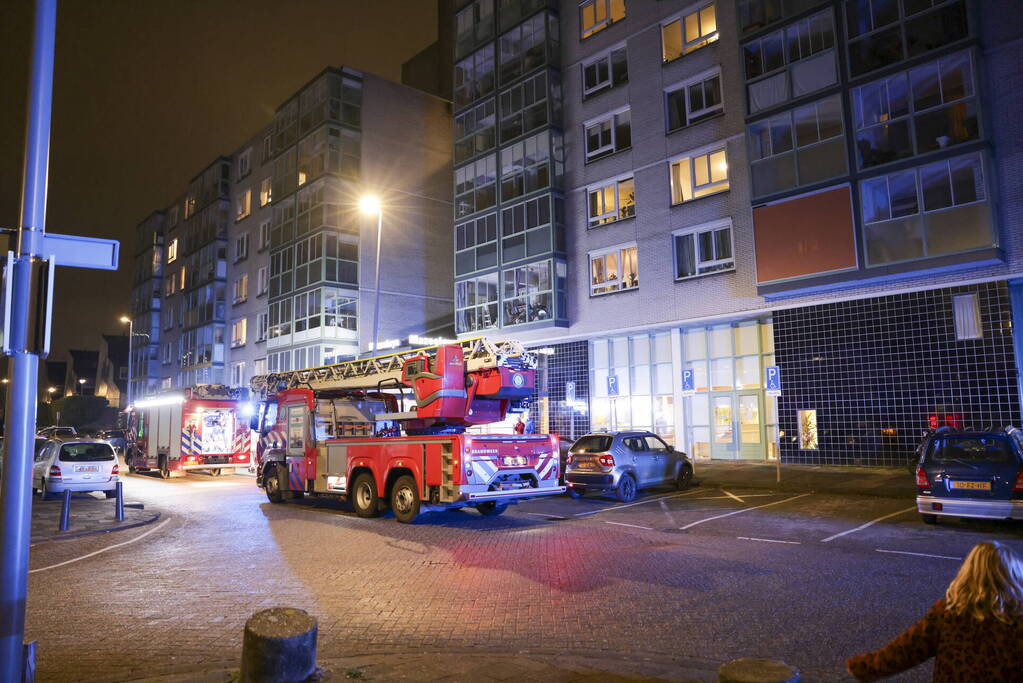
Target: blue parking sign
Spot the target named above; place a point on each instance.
(612, 385)
(688, 382)
(772, 380)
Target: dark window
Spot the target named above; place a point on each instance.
(592, 444)
(86, 452)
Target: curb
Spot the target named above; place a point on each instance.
(96, 532)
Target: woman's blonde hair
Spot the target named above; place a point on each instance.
(989, 584)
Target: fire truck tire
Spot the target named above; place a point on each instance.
(364, 496)
(405, 499)
(272, 485)
(165, 472)
(626, 490)
(491, 508)
(216, 472)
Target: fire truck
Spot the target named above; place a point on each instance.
(390, 431)
(201, 428)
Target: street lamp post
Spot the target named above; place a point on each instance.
(131, 336)
(371, 205)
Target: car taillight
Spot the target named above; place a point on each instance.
(1018, 488)
(113, 472)
(568, 460)
(921, 478)
(54, 472)
(606, 461)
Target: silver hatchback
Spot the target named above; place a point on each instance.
(625, 462)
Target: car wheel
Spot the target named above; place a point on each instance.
(491, 508)
(47, 495)
(929, 519)
(164, 468)
(364, 496)
(110, 494)
(626, 490)
(575, 493)
(685, 478)
(272, 485)
(405, 499)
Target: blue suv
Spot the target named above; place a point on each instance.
(971, 474)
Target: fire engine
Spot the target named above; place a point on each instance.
(201, 428)
(340, 430)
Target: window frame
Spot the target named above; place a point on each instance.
(240, 289)
(241, 247)
(684, 85)
(607, 58)
(265, 191)
(172, 251)
(611, 149)
(616, 250)
(689, 47)
(262, 280)
(243, 205)
(708, 151)
(696, 231)
(245, 163)
(599, 24)
(615, 183)
(239, 332)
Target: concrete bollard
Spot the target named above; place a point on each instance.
(754, 670)
(279, 646)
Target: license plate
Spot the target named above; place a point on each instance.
(584, 466)
(972, 485)
(86, 468)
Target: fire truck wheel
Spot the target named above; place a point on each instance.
(491, 508)
(364, 496)
(164, 468)
(405, 499)
(272, 485)
(216, 472)
(626, 490)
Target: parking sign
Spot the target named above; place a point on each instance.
(772, 380)
(612, 385)
(688, 382)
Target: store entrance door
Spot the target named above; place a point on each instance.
(737, 429)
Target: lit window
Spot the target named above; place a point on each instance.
(614, 269)
(172, 251)
(689, 32)
(703, 249)
(609, 134)
(241, 289)
(243, 205)
(259, 367)
(605, 71)
(694, 101)
(238, 333)
(699, 175)
(807, 430)
(265, 191)
(611, 201)
(476, 304)
(596, 15)
(966, 310)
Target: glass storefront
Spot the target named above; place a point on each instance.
(632, 384)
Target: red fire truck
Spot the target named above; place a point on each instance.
(340, 430)
(200, 428)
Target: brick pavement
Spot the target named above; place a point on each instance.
(90, 514)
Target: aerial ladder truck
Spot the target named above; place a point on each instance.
(390, 431)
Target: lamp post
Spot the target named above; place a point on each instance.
(131, 336)
(371, 205)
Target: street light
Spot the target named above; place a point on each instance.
(131, 335)
(370, 205)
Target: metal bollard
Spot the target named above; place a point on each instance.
(65, 513)
(119, 514)
(28, 666)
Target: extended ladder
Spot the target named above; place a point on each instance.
(370, 373)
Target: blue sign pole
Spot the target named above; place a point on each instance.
(16, 489)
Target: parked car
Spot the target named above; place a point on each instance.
(54, 431)
(624, 462)
(114, 437)
(40, 442)
(971, 474)
(76, 465)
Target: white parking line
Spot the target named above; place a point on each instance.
(548, 516)
(667, 513)
(736, 512)
(102, 550)
(634, 526)
(904, 552)
(745, 495)
(766, 540)
(732, 495)
(629, 505)
(864, 526)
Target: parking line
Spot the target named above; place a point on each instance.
(667, 513)
(629, 505)
(766, 540)
(634, 526)
(864, 526)
(102, 550)
(732, 495)
(548, 516)
(735, 512)
(904, 552)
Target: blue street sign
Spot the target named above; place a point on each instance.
(81, 252)
(772, 380)
(688, 382)
(612, 385)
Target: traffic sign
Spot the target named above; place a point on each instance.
(772, 380)
(569, 392)
(81, 252)
(688, 382)
(612, 385)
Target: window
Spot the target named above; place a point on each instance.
(259, 367)
(238, 333)
(879, 35)
(238, 374)
(166, 353)
(703, 249)
(308, 311)
(166, 383)
(264, 235)
(280, 318)
(689, 32)
(475, 131)
(473, 25)
(265, 191)
(172, 251)
(800, 147)
(596, 15)
(476, 244)
(791, 62)
(526, 228)
(525, 166)
(930, 107)
(262, 325)
(241, 289)
(807, 430)
(524, 107)
(966, 311)
(243, 205)
(523, 48)
(698, 175)
(611, 201)
(339, 310)
(693, 101)
(329, 149)
(268, 148)
(605, 71)
(938, 208)
(122, 372)
(528, 294)
(609, 134)
(476, 304)
(245, 163)
(241, 247)
(474, 76)
(172, 216)
(613, 270)
(476, 186)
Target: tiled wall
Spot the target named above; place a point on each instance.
(568, 363)
(876, 369)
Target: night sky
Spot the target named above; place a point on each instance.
(148, 92)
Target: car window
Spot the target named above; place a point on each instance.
(40, 449)
(634, 443)
(595, 443)
(86, 452)
(972, 449)
(655, 444)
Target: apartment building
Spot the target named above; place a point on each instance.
(265, 263)
(817, 186)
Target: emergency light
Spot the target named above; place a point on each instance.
(160, 401)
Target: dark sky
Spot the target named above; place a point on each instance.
(148, 92)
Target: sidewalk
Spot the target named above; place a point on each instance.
(889, 482)
(90, 514)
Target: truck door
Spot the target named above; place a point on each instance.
(298, 428)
